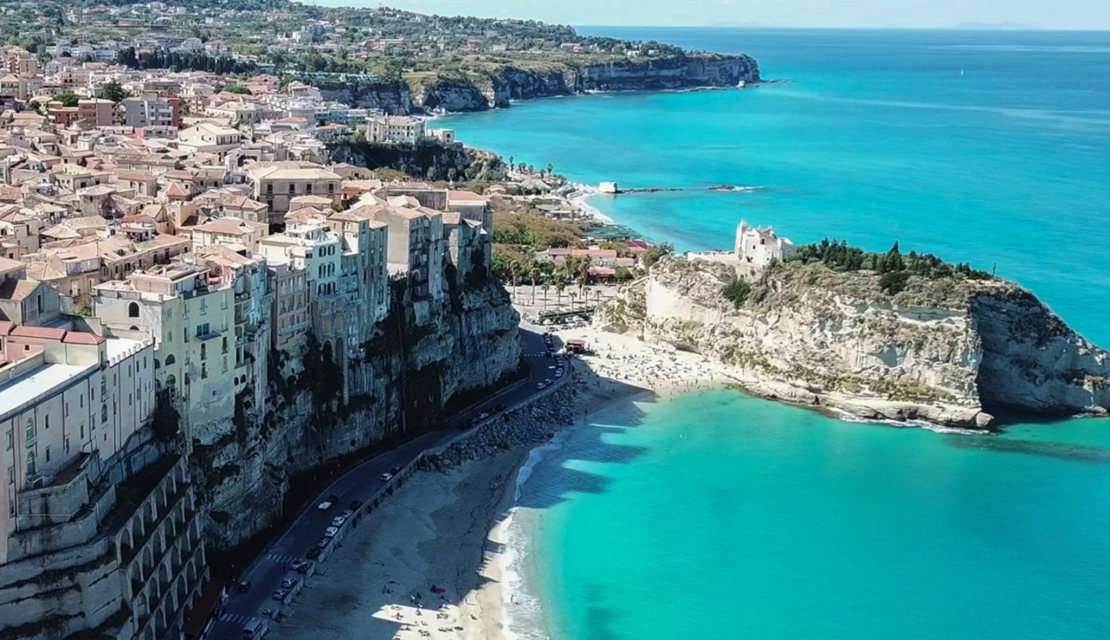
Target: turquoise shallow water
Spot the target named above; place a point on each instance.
(721, 516)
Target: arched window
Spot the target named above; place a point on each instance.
(29, 432)
(31, 463)
(133, 310)
(170, 359)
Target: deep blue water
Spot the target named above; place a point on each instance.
(721, 516)
(878, 137)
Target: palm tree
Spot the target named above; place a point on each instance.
(514, 271)
(550, 168)
(583, 272)
(546, 287)
(560, 285)
(534, 274)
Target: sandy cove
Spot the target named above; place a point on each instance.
(446, 528)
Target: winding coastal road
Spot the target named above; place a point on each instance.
(268, 570)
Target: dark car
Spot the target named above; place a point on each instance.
(395, 470)
(355, 504)
(333, 498)
(313, 553)
(244, 586)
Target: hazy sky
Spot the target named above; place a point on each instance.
(1053, 14)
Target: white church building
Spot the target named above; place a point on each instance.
(756, 247)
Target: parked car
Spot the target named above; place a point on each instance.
(385, 477)
(244, 586)
(395, 470)
(338, 521)
(540, 385)
(298, 565)
(330, 532)
(333, 498)
(313, 553)
(324, 506)
(355, 504)
(280, 594)
(483, 415)
(255, 629)
(323, 542)
(288, 582)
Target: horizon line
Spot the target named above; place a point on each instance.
(1019, 29)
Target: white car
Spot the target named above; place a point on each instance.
(324, 506)
(338, 521)
(385, 477)
(330, 532)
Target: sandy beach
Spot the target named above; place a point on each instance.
(445, 529)
(620, 360)
(432, 531)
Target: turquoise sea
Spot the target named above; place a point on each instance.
(721, 516)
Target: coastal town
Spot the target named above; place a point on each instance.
(176, 244)
(275, 343)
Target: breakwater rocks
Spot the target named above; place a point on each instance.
(526, 426)
(944, 350)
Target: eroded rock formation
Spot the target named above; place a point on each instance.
(943, 350)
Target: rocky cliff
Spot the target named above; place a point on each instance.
(428, 160)
(945, 350)
(472, 91)
(476, 92)
(427, 355)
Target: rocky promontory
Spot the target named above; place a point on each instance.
(496, 87)
(947, 350)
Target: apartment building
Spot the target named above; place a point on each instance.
(89, 507)
(189, 314)
(277, 183)
(230, 232)
(395, 129)
(152, 111)
(292, 316)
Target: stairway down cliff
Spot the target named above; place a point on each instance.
(944, 350)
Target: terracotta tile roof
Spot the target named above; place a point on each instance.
(38, 332)
(17, 289)
(178, 189)
(80, 337)
(137, 176)
(468, 196)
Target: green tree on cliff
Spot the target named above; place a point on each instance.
(114, 91)
(67, 98)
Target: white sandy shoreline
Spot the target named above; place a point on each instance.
(451, 529)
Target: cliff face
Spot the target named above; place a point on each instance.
(425, 355)
(429, 159)
(392, 97)
(944, 351)
(477, 93)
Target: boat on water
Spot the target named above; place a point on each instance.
(741, 84)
